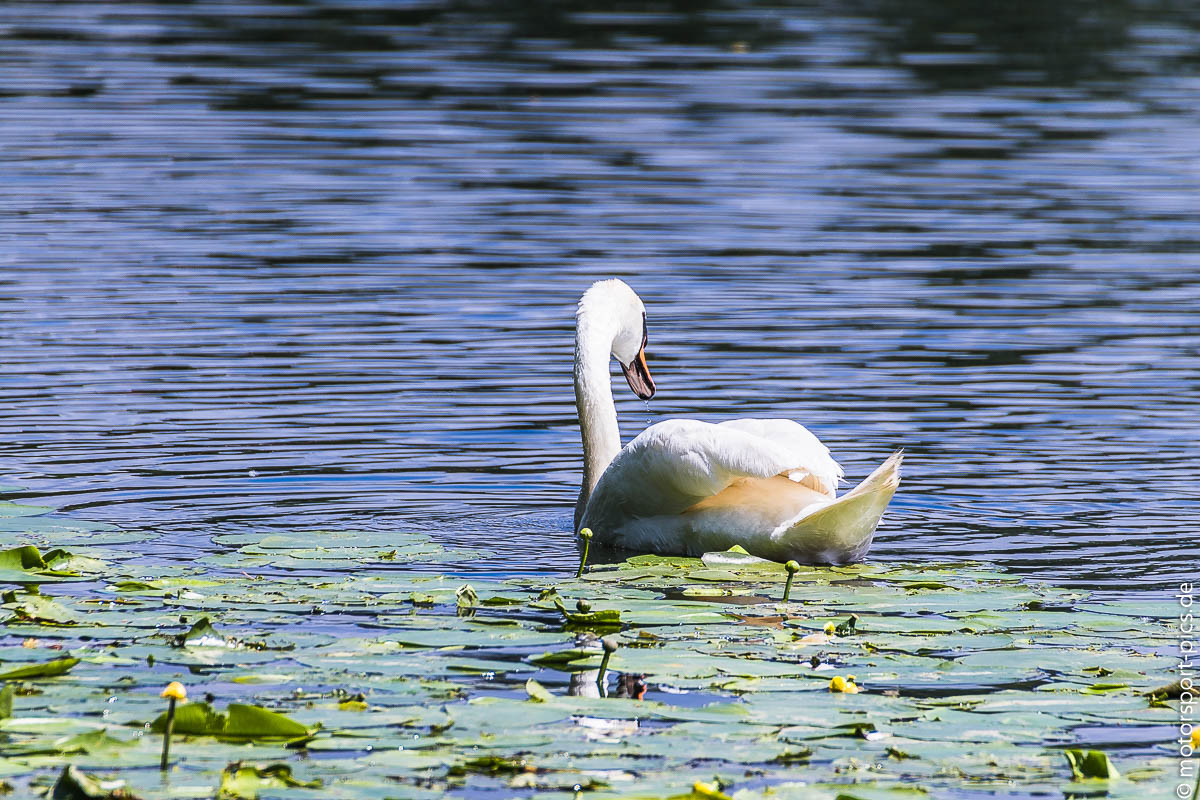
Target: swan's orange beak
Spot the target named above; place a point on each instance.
(638, 376)
(637, 373)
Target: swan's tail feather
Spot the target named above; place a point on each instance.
(885, 477)
(840, 532)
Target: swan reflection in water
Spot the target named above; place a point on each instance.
(587, 683)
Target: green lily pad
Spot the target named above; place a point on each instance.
(242, 722)
(203, 634)
(26, 565)
(38, 609)
(73, 784)
(971, 678)
(10, 509)
(244, 781)
(48, 669)
(1090, 764)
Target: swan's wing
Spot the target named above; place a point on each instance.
(811, 463)
(673, 465)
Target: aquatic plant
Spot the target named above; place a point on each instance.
(175, 692)
(309, 643)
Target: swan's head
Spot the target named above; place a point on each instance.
(613, 307)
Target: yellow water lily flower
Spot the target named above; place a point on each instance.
(844, 685)
(700, 789)
(175, 690)
(830, 628)
(1196, 738)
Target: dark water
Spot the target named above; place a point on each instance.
(282, 265)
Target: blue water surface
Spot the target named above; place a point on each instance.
(289, 265)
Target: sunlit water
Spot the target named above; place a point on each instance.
(313, 265)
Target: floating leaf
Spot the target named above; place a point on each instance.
(603, 621)
(1090, 764)
(73, 784)
(193, 719)
(1106, 688)
(203, 634)
(240, 722)
(26, 565)
(557, 659)
(493, 765)
(25, 557)
(243, 781)
(975, 676)
(38, 609)
(63, 562)
(93, 743)
(537, 692)
(466, 597)
(255, 722)
(10, 509)
(48, 669)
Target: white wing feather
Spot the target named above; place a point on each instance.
(808, 457)
(671, 466)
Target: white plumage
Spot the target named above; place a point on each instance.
(689, 487)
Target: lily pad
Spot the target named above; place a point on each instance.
(73, 784)
(241, 722)
(48, 669)
(244, 781)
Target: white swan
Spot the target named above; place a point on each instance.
(690, 487)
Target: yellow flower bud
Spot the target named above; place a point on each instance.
(844, 685)
(830, 628)
(175, 690)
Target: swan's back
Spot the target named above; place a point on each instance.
(687, 486)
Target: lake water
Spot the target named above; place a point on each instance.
(313, 265)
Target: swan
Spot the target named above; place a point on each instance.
(687, 487)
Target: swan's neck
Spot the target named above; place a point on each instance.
(594, 400)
